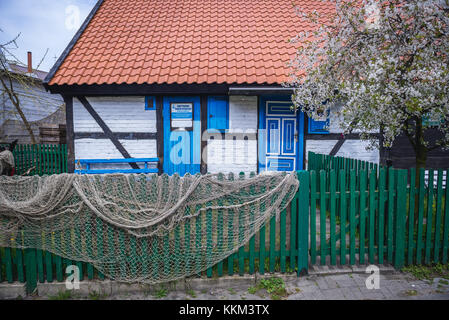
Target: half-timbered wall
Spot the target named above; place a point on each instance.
(127, 118)
(238, 152)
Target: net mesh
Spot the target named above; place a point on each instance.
(140, 228)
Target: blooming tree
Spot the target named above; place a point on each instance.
(387, 64)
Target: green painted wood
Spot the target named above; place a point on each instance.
(272, 243)
(100, 243)
(252, 241)
(436, 242)
(40, 265)
(31, 270)
(187, 256)
(111, 248)
(429, 217)
(303, 223)
(343, 210)
(411, 217)
(372, 215)
(381, 225)
(293, 228)
(313, 197)
(230, 214)
(262, 233)
(352, 208)
(8, 265)
(155, 253)
(322, 217)
(391, 197)
(446, 222)
(333, 221)
(146, 256)
(20, 265)
(134, 258)
(420, 222)
(283, 242)
(363, 212)
(209, 236)
(198, 240)
(48, 266)
(401, 207)
(241, 252)
(220, 240)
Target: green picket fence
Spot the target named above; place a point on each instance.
(361, 214)
(280, 246)
(340, 215)
(41, 159)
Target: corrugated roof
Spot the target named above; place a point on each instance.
(185, 41)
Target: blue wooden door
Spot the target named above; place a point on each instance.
(281, 139)
(182, 145)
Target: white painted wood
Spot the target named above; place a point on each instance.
(231, 156)
(243, 113)
(121, 114)
(354, 149)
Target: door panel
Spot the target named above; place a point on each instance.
(281, 143)
(182, 149)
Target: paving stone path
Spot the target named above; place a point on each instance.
(393, 286)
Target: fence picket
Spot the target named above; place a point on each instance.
(436, 253)
(401, 205)
(420, 222)
(429, 217)
(411, 216)
(372, 214)
(322, 217)
(313, 199)
(362, 207)
(333, 203)
(446, 222)
(390, 221)
(343, 211)
(381, 226)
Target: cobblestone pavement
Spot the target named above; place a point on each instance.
(394, 286)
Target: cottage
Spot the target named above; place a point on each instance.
(189, 86)
(44, 111)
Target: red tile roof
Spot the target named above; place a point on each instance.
(185, 41)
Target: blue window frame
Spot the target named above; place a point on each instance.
(318, 127)
(218, 112)
(150, 103)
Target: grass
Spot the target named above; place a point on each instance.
(274, 286)
(62, 295)
(94, 295)
(191, 293)
(161, 293)
(428, 272)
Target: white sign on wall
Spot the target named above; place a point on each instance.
(182, 115)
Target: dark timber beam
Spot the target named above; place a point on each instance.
(203, 169)
(68, 100)
(160, 132)
(106, 130)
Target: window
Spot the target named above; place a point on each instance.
(150, 103)
(319, 126)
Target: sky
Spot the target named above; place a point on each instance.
(42, 24)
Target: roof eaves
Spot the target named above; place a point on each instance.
(72, 43)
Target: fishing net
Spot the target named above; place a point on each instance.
(140, 228)
(6, 160)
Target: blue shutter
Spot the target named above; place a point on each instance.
(218, 112)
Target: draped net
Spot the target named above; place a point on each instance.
(140, 228)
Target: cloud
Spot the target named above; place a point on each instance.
(42, 24)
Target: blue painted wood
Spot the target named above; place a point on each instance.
(150, 103)
(182, 149)
(319, 127)
(131, 160)
(218, 112)
(281, 144)
(127, 171)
